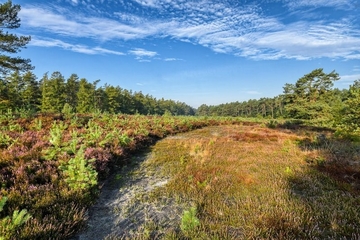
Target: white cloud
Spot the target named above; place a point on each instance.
(139, 52)
(349, 79)
(90, 27)
(72, 47)
(356, 69)
(172, 59)
(148, 3)
(319, 3)
(242, 30)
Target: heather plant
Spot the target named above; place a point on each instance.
(78, 153)
(102, 159)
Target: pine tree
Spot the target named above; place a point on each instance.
(113, 96)
(11, 43)
(31, 94)
(85, 97)
(53, 93)
(307, 99)
(71, 89)
(15, 86)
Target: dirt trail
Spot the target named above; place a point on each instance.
(122, 210)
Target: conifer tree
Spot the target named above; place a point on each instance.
(31, 93)
(11, 43)
(15, 86)
(85, 97)
(53, 93)
(71, 89)
(307, 99)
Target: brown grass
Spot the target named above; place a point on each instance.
(251, 182)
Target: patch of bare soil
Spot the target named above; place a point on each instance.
(125, 210)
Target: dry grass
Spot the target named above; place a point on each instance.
(251, 182)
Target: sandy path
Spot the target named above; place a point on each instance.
(123, 210)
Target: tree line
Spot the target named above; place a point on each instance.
(312, 97)
(19, 88)
(55, 94)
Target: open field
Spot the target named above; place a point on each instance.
(208, 179)
(241, 182)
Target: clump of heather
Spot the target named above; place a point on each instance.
(102, 158)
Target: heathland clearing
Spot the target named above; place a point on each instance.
(241, 182)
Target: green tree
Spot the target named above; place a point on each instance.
(31, 93)
(85, 97)
(351, 113)
(307, 99)
(4, 96)
(53, 93)
(113, 98)
(71, 89)
(15, 86)
(11, 43)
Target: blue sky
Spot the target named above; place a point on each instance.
(201, 51)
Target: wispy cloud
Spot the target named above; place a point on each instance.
(139, 52)
(238, 29)
(349, 79)
(172, 59)
(319, 3)
(72, 47)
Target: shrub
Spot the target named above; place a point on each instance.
(79, 173)
(189, 221)
(8, 225)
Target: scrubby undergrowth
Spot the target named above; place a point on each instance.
(232, 180)
(51, 165)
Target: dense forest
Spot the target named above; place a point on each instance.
(55, 94)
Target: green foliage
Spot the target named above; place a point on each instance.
(79, 173)
(272, 124)
(11, 43)
(349, 123)
(53, 93)
(68, 111)
(85, 96)
(308, 97)
(189, 220)
(5, 140)
(8, 225)
(94, 133)
(56, 135)
(2, 203)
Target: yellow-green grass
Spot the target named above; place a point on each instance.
(252, 182)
